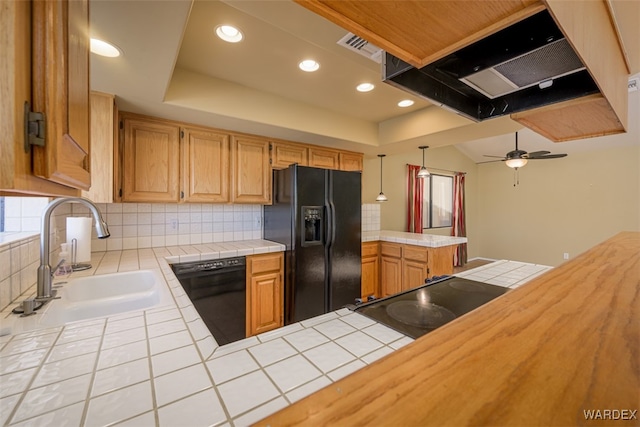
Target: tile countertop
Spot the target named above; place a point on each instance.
(162, 367)
(428, 240)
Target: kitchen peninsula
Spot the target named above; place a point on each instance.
(549, 353)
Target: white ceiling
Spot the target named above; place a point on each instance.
(174, 67)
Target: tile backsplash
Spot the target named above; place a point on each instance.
(147, 225)
(133, 226)
(370, 217)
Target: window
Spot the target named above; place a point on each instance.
(438, 201)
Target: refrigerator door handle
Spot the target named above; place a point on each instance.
(331, 221)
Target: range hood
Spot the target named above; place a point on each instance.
(527, 65)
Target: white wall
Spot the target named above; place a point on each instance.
(561, 205)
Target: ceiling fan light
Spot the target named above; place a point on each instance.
(423, 173)
(516, 163)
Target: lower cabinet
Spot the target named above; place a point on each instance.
(370, 282)
(415, 266)
(404, 267)
(390, 268)
(264, 293)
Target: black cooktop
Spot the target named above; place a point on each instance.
(421, 310)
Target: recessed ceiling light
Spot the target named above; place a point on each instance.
(228, 33)
(309, 65)
(103, 48)
(405, 103)
(365, 87)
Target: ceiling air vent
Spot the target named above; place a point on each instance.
(551, 61)
(361, 46)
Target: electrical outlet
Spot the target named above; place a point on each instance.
(173, 223)
(566, 255)
(258, 221)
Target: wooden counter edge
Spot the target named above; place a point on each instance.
(552, 352)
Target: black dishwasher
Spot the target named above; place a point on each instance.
(217, 289)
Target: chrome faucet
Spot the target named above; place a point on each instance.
(44, 271)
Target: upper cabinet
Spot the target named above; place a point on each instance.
(151, 161)
(324, 158)
(61, 91)
(251, 170)
(421, 33)
(205, 165)
(170, 162)
(45, 51)
(350, 161)
(284, 154)
(104, 166)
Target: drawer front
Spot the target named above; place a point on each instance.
(415, 253)
(369, 249)
(391, 249)
(264, 263)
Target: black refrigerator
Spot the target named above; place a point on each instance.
(316, 214)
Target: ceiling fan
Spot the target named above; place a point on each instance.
(518, 158)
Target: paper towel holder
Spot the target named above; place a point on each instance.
(75, 266)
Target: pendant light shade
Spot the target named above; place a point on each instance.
(381, 197)
(423, 172)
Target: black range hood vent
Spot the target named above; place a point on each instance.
(527, 65)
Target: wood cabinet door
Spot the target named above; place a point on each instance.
(370, 276)
(205, 171)
(151, 165)
(441, 260)
(16, 172)
(264, 293)
(414, 274)
(266, 302)
(251, 182)
(350, 162)
(283, 155)
(60, 90)
(327, 159)
(390, 275)
(103, 114)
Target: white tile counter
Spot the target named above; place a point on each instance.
(428, 240)
(162, 367)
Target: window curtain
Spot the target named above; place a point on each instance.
(459, 228)
(415, 197)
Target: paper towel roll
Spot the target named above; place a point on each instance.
(79, 228)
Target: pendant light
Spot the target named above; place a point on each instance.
(381, 197)
(423, 172)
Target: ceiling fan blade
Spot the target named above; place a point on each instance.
(497, 157)
(490, 161)
(550, 156)
(537, 154)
